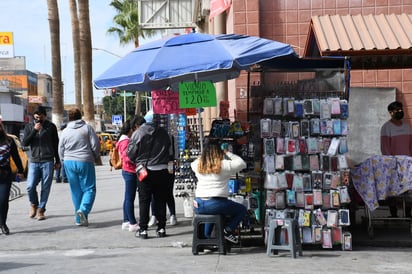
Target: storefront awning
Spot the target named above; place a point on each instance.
(371, 41)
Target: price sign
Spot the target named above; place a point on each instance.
(165, 102)
(197, 94)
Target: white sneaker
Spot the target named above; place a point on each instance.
(152, 221)
(125, 225)
(173, 220)
(134, 228)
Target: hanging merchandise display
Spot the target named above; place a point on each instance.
(303, 131)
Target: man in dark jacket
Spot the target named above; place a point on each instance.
(151, 146)
(41, 136)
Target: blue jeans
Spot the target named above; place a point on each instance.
(39, 172)
(234, 212)
(61, 172)
(130, 181)
(82, 181)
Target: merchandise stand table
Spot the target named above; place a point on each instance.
(381, 177)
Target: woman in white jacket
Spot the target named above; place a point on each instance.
(213, 170)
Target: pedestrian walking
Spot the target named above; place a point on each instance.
(8, 149)
(79, 147)
(41, 135)
(60, 174)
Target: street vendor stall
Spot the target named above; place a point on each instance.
(381, 177)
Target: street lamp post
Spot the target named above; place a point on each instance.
(124, 91)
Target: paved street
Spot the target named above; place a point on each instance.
(56, 245)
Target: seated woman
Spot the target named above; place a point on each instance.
(213, 170)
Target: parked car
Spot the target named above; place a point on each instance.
(109, 140)
(103, 147)
(23, 156)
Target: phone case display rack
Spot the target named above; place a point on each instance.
(303, 131)
(243, 188)
(186, 148)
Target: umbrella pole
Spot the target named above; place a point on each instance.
(199, 118)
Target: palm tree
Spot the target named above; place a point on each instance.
(76, 53)
(86, 60)
(128, 29)
(57, 85)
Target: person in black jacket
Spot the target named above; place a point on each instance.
(41, 136)
(150, 146)
(8, 149)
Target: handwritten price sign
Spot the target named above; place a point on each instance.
(166, 102)
(197, 94)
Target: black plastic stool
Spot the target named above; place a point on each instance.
(199, 240)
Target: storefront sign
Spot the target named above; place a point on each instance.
(6, 45)
(197, 94)
(35, 99)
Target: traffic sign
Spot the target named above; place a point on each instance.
(117, 120)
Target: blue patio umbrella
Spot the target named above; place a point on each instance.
(189, 57)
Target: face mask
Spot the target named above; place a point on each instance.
(398, 115)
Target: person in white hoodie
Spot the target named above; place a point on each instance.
(213, 170)
(79, 146)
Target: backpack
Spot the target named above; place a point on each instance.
(115, 160)
(5, 155)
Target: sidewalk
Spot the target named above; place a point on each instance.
(56, 245)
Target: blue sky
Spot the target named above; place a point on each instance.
(28, 21)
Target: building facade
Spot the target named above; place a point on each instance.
(288, 21)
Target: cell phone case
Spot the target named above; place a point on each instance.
(308, 107)
(320, 217)
(327, 238)
(299, 111)
(317, 197)
(344, 109)
(269, 163)
(297, 162)
(297, 184)
(268, 106)
(279, 162)
(278, 106)
(309, 201)
(327, 180)
(344, 217)
(332, 219)
(304, 128)
(265, 128)
(290, 197)
(276, 128)
(269, 146)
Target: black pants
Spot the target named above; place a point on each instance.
(170, 201)
(156, 183)
(5, 187)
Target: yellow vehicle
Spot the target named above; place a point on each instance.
(23, 156)
(103, 147)
(109, 140)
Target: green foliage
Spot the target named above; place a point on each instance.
(114, 106)
(126, 22)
